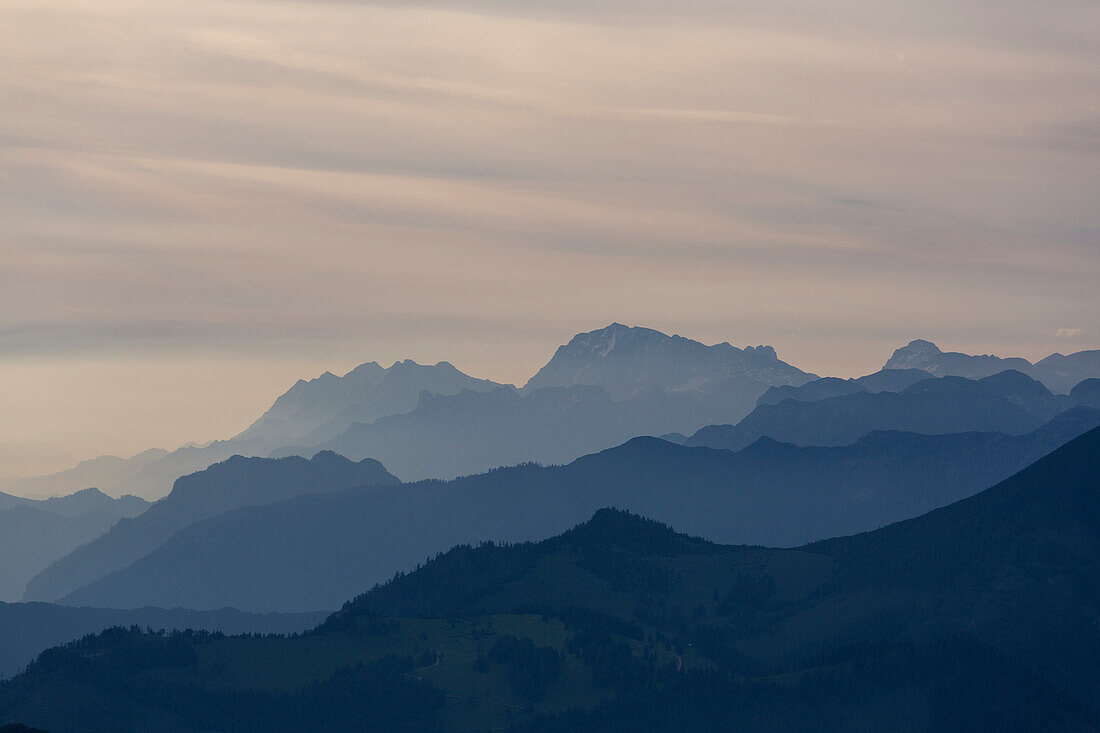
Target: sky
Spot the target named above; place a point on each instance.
(202, 202)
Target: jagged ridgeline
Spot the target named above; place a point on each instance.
(598, 390)
(623, 624)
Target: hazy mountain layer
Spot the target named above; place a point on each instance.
(1009, 402)
(269, 558)
(471, 433)
(310, 411)
(886, 380)
(322, 408)
(1057, 371)
(235, 483)
(105, 472)
(35, 533)
(977, 616)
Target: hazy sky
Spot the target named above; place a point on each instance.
(202, 201)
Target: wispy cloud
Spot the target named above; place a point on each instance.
(365, 178)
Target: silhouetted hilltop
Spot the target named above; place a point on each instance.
(234, 483)
(1007, 402)
(267, 558)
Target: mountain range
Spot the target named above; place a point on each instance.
(1008, 402)
(1057, 371)
(106, 472)
(884, 380)
(267, 558)
(980, 615)
(235, 483)
(657, 384)
(598, 390)
(322, 408)
(34, 533)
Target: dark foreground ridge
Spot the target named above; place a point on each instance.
(978, 616)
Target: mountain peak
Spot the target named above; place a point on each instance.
(330, 458)
(629, 360)
(618, 528)
(918, 346)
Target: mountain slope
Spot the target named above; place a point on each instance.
(235, 483)
(35, 533)
(1008, 402)
(1021, 556)
(977, 616)
(32, 538)
(268, 558)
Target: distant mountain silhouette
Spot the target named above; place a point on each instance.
(886, 380)
(35, 533)
(269, 558)
(1058, 372)
(597, 391)
(310, 411)
(1061, 373)
(28, 628)
(1009, 402)
(81, 502)
(106, 472)
(322, 408)
(977, 616)
(629, 361)
(234, 483)
(423, 422)
(468, 433)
